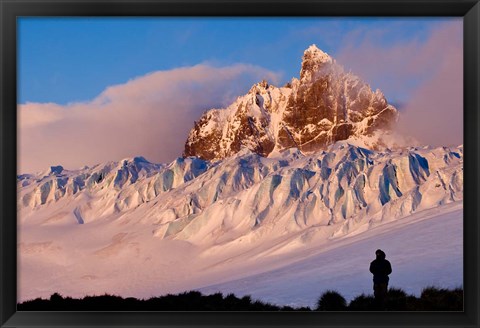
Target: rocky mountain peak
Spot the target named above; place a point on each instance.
(312, 61)
(263, 85)
(313, 52)
(324, 106)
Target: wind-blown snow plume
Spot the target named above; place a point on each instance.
(433, 111)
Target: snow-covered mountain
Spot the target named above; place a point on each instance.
(325, 105)
(278, 173)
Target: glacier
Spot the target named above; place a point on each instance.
(136, 228)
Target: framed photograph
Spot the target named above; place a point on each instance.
(226, 163)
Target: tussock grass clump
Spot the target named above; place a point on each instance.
(331, 301)
(440, 299)
(362, 303)
(431, 299)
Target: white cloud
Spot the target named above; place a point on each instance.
(149, 116)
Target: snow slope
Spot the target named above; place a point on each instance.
(421, 252)
(140, 229)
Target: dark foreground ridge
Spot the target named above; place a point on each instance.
(431, 299)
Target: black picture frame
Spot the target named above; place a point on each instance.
(10, 10)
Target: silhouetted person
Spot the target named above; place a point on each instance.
(380, 268)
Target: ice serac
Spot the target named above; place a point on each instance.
(325, 105)
(342, 188)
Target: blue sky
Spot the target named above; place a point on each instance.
(63, 60)
(91, 90)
